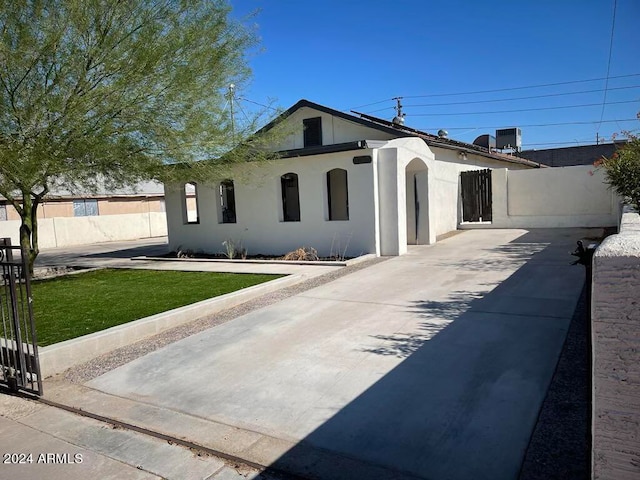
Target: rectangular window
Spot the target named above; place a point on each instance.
(190, 211)
(312, 131)
(290, 197)
(85, 208)
(3, 212)
(227, 202)
(338, 194)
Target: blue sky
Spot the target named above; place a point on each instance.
(360, 54)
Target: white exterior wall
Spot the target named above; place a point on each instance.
(391, 191)
(438, 185)
(259, 210)
(67, 231)
(446, 185)
(616, 353)
(442, 169)
(550, 198)
(334, 130)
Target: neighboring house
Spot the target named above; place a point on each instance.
(65, 218)
(343, 185)
(568, 156)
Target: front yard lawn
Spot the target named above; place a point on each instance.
(75, 305)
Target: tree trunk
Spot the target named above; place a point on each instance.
(29, 230)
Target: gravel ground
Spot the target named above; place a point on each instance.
(561, 442)
(100, 365)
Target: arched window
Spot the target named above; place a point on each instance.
(190, 213)
(227, 202)
(290, 197)
(338, 194)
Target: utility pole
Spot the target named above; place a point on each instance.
(231, 98)
(399, 118)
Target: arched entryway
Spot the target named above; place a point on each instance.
(417, 202)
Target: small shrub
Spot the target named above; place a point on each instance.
(186, 253)
(234, 249)
(303, 253)
(623, 171)
(339, 254)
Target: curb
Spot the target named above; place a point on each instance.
(345, 263)
(59, 357)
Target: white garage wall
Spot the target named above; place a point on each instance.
(259, 210)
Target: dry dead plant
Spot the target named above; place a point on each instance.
(303, 253)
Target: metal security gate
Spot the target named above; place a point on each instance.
(476, 195)
(18, 346)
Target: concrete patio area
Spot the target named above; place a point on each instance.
(431, 365)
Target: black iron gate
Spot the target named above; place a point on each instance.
(476, 195)
(18, 346)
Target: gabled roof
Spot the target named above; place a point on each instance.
(403, 131)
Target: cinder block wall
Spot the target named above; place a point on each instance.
(67, 231)
(551, 198)
(616, 353)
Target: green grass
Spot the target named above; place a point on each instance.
(75, 305)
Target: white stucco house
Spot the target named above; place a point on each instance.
(343, 184)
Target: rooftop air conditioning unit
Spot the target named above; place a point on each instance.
(509, 138)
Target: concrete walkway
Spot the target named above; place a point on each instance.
(39, 441)
(120, 255)
(432, 365)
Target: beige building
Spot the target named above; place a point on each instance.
(68, 219)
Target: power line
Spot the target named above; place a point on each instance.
(521, 88)
(606, 84)
(243, 112)
(373, 103)
(505, 99)
(555, 84)
(256, 103)
(591, 122)
(519, 110)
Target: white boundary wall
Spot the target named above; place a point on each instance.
(615, 308)
(67, 231)
(551, 198)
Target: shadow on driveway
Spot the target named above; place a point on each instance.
(465, 399)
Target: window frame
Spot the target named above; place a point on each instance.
(84, 212)
(227, 202)
(284, 189)
(185, 204)
(312, 132)
(331, 201)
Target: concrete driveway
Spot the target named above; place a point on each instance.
(431, 365)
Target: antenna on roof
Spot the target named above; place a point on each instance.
(399, 118)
